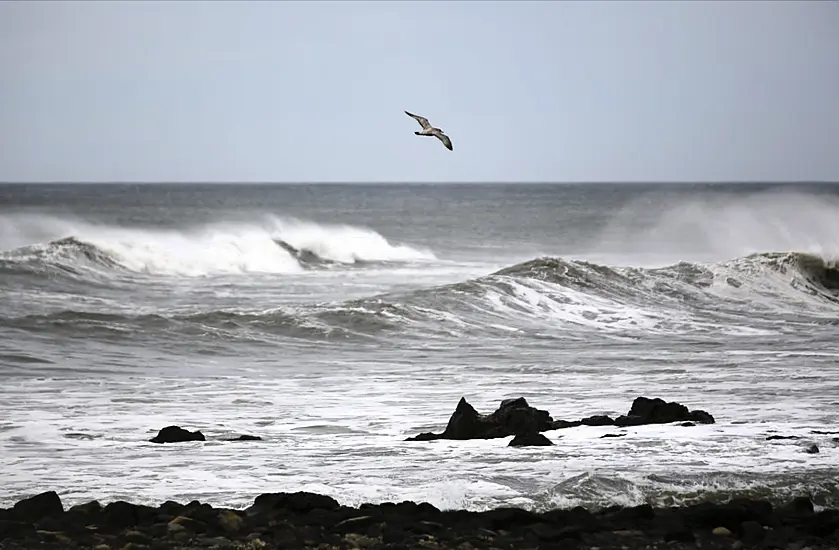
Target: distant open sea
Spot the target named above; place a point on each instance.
(334, 321)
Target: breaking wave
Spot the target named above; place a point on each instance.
(272, 245)
(547, 295)
(543, 297)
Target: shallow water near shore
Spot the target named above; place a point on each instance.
(124, 309)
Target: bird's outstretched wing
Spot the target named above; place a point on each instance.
(444, 138)
(422, 120)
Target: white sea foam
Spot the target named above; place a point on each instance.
(564, 308)
(87, 439)
(212, 249)
(343, 243)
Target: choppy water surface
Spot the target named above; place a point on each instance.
(335, 321)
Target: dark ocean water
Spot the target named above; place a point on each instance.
(336, 320)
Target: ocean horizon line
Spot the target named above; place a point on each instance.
(442, 183)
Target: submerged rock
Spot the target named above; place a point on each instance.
(245, 438)
(599, 420)
(530, 440)
(176, 434)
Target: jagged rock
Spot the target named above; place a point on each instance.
(517, 417)
(176, 434)
(513, 417)
(657, 411)
(40, 506)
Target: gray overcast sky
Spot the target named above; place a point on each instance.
(311, 91)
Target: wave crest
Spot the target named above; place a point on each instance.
(272, 246)
(744, 295)
(343, 244)
(819, 272)
(544, 297)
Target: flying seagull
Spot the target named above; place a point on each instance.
(428, 130)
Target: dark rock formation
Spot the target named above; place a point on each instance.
(176, 434)
(530, 440)
(245, 438)
(644, 411)
(308, 521)
(597, 421)
(38, 507)
(516, 417)
(658, 411)
(513, 417)
(300, 502)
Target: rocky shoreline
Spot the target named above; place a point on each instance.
(306, 521)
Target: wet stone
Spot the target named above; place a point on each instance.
(308, 521)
